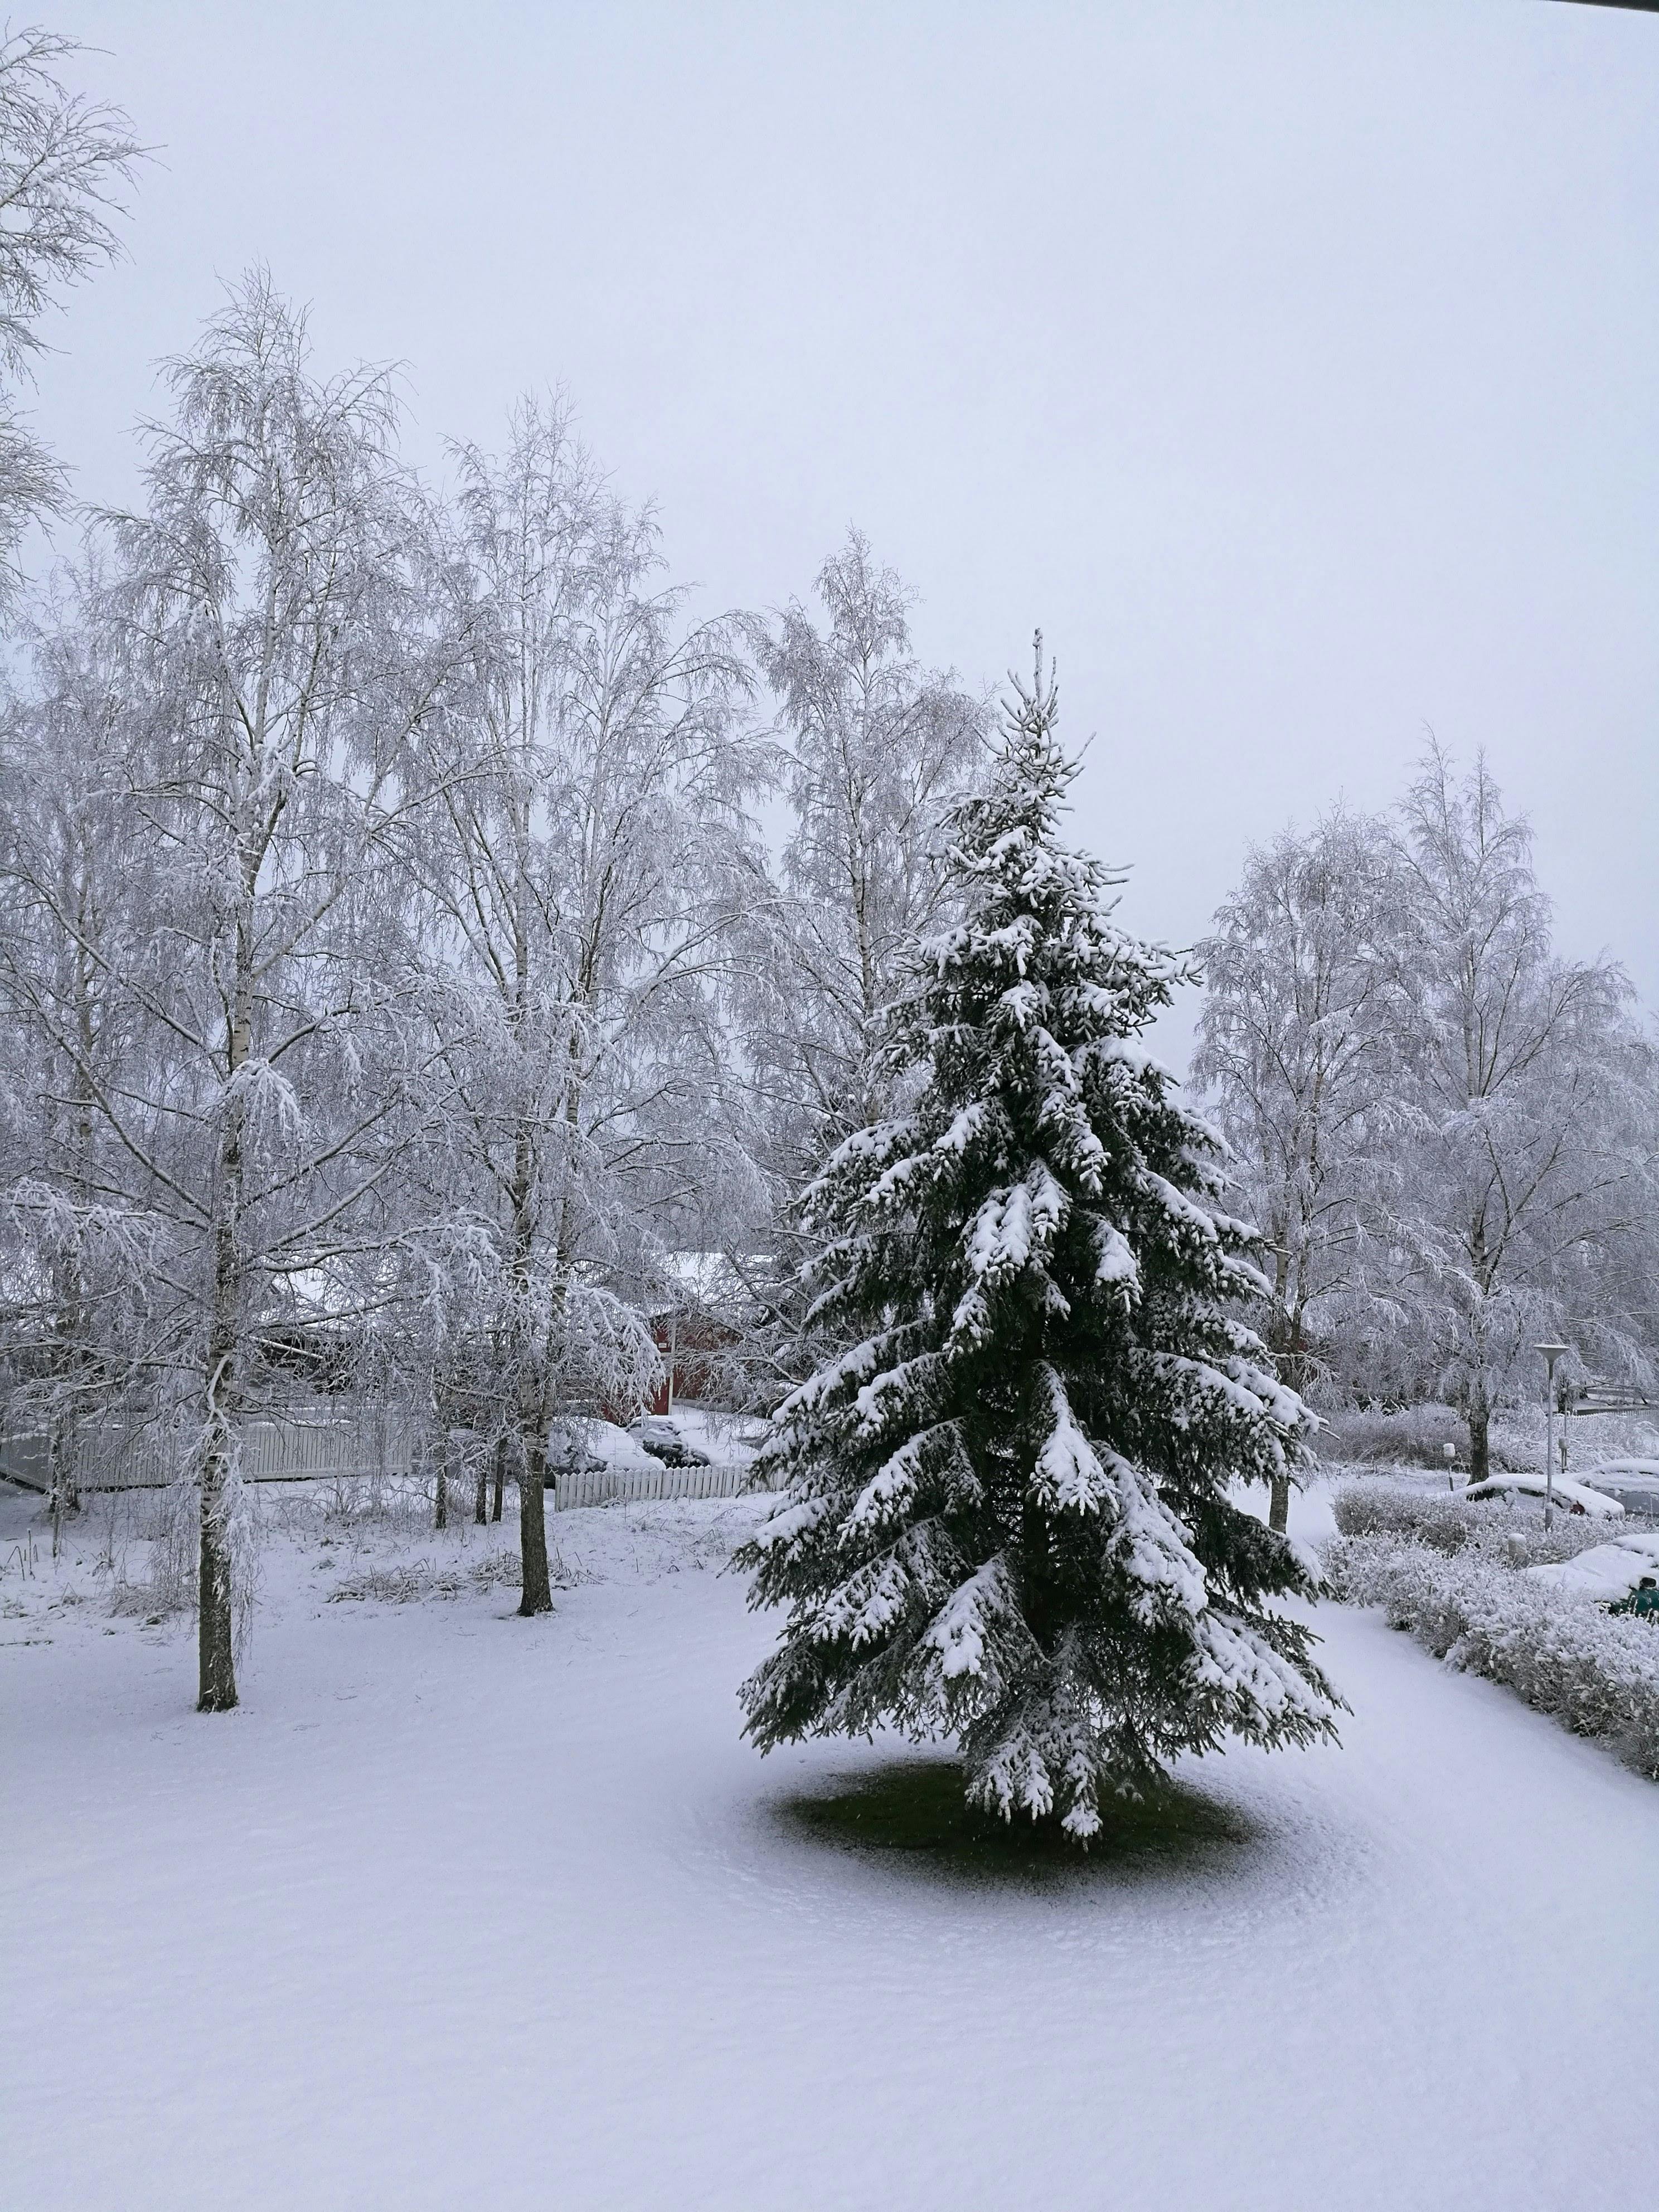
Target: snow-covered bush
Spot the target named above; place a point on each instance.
(1413, 1436)
(1383, 1509)
(352, 1509)
(1441, 1521)
(164, 1524)
(1596, 1671)
(406, 1580)
(1417, 1436)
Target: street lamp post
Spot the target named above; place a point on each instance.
(1550, 1354)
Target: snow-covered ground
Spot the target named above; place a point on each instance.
(462, 1910)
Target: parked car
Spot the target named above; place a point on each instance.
(1633, 1482)
(569, 1454)
(1607, 1572)
(586, 1445)
(1571, 1495)
(661, 1437)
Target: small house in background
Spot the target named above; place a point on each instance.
(694, 1322)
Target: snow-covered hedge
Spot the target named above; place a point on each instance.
(1417, 1436)
(1444, 1522)
(1596, 1671)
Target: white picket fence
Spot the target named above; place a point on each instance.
(141, 1452)
(323, 1444)
(626, 1486)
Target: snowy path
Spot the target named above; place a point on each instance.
(462, 1911)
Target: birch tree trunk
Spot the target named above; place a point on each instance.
(537, 1594)
(215, 1627)
(1480, 1420)
(441, 1486)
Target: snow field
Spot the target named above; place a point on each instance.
(462, 1909)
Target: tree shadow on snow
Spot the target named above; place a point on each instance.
(912, 1812)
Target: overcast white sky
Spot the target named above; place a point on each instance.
(1293, 366)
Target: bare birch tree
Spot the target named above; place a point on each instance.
(76, 880)
(878, 749)
(875, 750)
(1446, 1131)
(65, 163)
(1529, 1138)
(266, 609)
(1297, 1060)
(586, 850)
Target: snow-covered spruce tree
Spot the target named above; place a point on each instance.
(1007, 1515)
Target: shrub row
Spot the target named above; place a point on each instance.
(405, 1581)
(1417, 1436)
(1596, 1671)
(1445, 1522)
